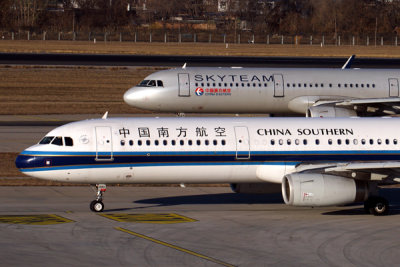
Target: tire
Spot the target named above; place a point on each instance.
(378, 206)
(96, 206)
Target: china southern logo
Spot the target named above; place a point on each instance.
(199, 91)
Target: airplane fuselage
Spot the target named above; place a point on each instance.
(258, 90)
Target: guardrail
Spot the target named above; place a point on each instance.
(204, 37)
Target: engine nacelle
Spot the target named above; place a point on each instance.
(329, 111)
(256, 188)
(322, 190)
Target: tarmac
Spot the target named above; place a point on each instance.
(193, 226)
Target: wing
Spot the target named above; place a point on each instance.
(363, 107)
(386, 172)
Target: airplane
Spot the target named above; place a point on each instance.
(317, 161)
(314, 92)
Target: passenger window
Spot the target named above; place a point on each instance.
(330, 85)
(173, 142)
(265, 85)
(207, 142)
(317, 141)
(198, 142)
(272, 142)
(46, 140)
(373, 85)
(122, 142)
(355, 142)
(387, 141)
(139, 142)
(148, 142)
(297, 142)
(339, 85)
(156, 142)
(215, 142)
(165, 142)
(330, 141)
(363, 141)
(371, 141)
(130, 142)
(223, 142)
(182, 142)
(304, 141)
(68, 141)
(281, 141)
(347, 142)
(394, 141)
(379, 141)
(339, 141)
(289, 142)
(288, 84)
(57, 141)
(190, 142)
(160, 84)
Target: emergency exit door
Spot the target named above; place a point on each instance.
(242, 142)
(184, 86)
(393, 87)
(278, 85)
(104, 143)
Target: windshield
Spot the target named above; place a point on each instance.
(151, 83)
(46, 140)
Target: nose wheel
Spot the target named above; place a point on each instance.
(97, 204)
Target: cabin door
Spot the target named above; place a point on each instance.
(393, 87)
(242, 142)
(184, 86)
(103, 143)
(278, 85)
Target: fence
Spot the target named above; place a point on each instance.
(204, 37)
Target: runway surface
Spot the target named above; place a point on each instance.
(220, 229)
(173, 60)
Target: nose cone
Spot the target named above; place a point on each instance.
(143, 97)
(23, 161)
(132, 97)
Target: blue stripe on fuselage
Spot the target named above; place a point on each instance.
(47, 160)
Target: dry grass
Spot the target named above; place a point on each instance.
(67, 90)
(198, 49)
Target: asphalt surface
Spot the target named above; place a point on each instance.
(223, 229)
(173, 60)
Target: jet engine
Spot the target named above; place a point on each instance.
(256, 188)
(316, 189)
(329, 111)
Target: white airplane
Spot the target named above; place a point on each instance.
(319, 162)
(316, 92)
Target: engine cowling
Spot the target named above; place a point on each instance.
(329, 111)
(256, 188)
(322, 190)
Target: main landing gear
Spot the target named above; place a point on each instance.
(97, 204)
(376, 205)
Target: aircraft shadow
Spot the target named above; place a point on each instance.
(225, 198)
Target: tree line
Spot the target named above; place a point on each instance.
(282, 17)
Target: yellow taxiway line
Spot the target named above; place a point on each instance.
(174, 247)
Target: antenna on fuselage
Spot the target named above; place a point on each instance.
(184, 66)
(105, 115)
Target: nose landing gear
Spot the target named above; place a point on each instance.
(97, 204)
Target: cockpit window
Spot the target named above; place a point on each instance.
(151, 83)
(68, 141)
(58, 141)
(46, 140)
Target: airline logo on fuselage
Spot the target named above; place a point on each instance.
(199, 91)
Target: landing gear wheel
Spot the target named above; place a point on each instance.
(377, 206)
(96, 206)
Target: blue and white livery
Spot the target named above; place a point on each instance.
(320, 162)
